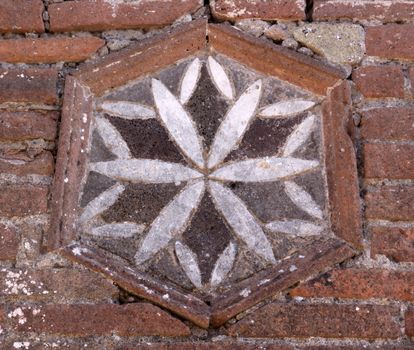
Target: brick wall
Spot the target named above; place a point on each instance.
(48, 302)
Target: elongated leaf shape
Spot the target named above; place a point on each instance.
(263, 169)
(171, 221)
(178, 123)
(223, 264)
(128, 110)
(190, 79)
(235, 124)
(286, 108)
(117, 230)
(220, 78)
(145, 170)
(112, 138)
(303, 199)
(295, 227)
(298, 137)
(242, 222)
(104, 201)
(188, 262)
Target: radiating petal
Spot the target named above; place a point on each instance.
(128, 110)
(189, 82)
(285, 108)
(220, 78)
(298, 137)
(235, 124)
(188, 262)
(145, 170)
(242, 222)
(303, 199)
(101, 203)
(295, 227)
(171, 221)
(112, 138)
(223, 264)
(178, 122)
(117, 230)
(263, 169)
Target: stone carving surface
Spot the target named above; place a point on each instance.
(205, 172)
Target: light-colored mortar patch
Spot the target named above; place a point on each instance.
(340, 43)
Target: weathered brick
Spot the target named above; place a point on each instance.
(396, 243)
(73, 16)
(9, 242)
(35, 85)
(56, 285)
(391, 41)
(386, 11)
(356, 347)
(138, 319)
(390, 203)
(380, 81)
(360, 284)
(28, 125)
(49, 50)
(411, 74)
(393, 124)
(43, 164)
(319, 320)
(23, 200)
(388, 161)
(262, 9)
(409, 322)
(21, 16)
(230, 345)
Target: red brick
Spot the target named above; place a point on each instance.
(388, 161)
(393, 124)
(35, 85)
(23, 200)
(43, 164)
(262, 9)
(28, 125)
(320, 320)
(21, 16)
(356, 347)
(97, 15)
(409, 322)
(379, 81)
(360, 284)
(411, 74)
(56, 285)
(138, 319)
(390, 203)
(230, 345)
(387, 11)
(391, 41)
(396, 243)
(49, 50)
(9, 242)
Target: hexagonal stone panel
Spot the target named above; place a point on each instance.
(195, 179)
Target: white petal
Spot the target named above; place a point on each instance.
(188, 262)
(223, 265)
(112, 138)
(286, 108)
(263, 169)
(101, 203)
(189, 83)
(171, 221)
(235, 124)
(128, 110)
(299, 136)
(295, 227)
(145, 170)
(240, 219)
(220, 78)
(303, 199)
(178, 122)
(117, 230)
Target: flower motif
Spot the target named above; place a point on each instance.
(207, 171)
